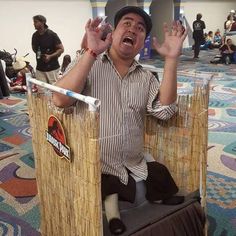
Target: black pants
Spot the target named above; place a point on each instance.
(197, 46)
(159, 185)
(230, 57)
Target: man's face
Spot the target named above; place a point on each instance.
(38, 24)
(129, 36)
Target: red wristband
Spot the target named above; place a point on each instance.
(91, 52)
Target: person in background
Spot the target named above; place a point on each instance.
(228, 23)
(208, 41)
(18, 84)
(198, 34)
(66, 61)
(228, 51)
(217, 40)
(48, 48)
(26, 60)
(233, 26)
(106, 69)
(233, 13)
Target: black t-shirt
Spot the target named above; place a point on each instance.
(198, 27)
(47, 43)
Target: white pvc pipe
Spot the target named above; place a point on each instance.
(93, 103)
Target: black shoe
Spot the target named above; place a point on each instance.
(174, 200)
(116, 226)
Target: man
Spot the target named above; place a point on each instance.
(48, 48)
(107, 70)
(228, 52)
(198, 34)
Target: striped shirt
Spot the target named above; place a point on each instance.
(124, 103)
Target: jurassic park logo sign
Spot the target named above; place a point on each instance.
(56, 137)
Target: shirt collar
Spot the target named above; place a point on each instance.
(134, 65)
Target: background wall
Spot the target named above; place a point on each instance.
(161, 11)
(113, 6)
(66, 18)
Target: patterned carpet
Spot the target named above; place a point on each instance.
(19, 212)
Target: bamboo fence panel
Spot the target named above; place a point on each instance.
(69, 192)
(181, 142)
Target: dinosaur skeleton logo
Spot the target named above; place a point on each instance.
(56, 137)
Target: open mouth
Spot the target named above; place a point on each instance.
(128, 41)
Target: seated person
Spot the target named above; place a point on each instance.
(228, 51)
(66, 61)
(228, 23)
(217, 41)
(28, 66)
(19, 82)
(209, 42)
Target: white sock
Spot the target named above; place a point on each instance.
(111, 207)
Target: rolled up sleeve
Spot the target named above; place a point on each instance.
(154, 106)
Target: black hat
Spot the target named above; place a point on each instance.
(137, 10)
(41, 18)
